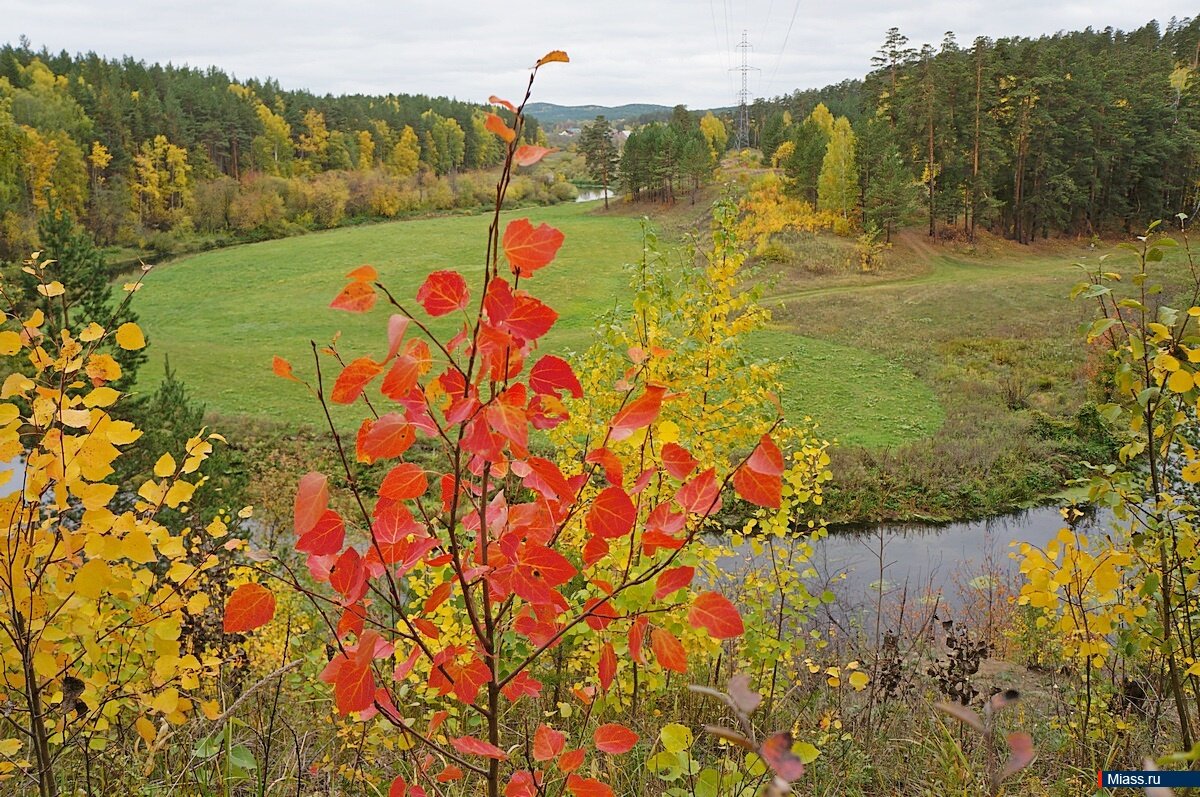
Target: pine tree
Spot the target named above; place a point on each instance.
(599, 153)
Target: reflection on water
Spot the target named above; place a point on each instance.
(592, 194)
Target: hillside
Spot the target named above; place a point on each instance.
(550, 114)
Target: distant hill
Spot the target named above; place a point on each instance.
(550, 114)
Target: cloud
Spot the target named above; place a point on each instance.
(665, 51)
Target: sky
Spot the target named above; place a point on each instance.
(657, 51)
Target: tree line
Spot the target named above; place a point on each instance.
(1079, 133)
(132, 148)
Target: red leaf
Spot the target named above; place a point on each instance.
(496, 125)
(608, 666)
(347, 576)
(612, 514)
(551, 374)
(777, 752)
(397, 326)
(312, 498)
(713, 612)
(587, 787)
(438, 596)
(325, 537)
(352, 620)
(668, 650)
(449, 774)
(282, 368)
(529, 319)
(613, 470)
(353, 378)
(356, 297)
(403, 483)
(642, 411)
(678, 462)
(701, 495)
(758, 488)
(528, 248)
(250, 606)
(571, 760)
(388, 437)
(527, 154)
(353, 679)
(637, 638)
(522, 784)
(443, 292)
(615, 738)
(547, 743)
(398, 787)
(469, 745)
(402, 378)
(672, 580)
(522, 684)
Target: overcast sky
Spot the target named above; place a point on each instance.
(661, 51)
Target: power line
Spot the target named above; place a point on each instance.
(786, 36)
(743, 120)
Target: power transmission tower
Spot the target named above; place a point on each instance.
(743, 120)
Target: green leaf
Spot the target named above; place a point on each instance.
(676, 738)
(241, 757)
(805, 752)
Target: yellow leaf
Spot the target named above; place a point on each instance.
(129, 337)
(55, 288)
(211, 709)
(166, 701)
(552, 56)
(91, 579)
(101, 397)
(136, 547)
(667, 432)
(16, 385)
(165, 466)
(10, 343)
(10, 747)
(145, 729)
(859, 680)
(91, 332)
(1180, 381)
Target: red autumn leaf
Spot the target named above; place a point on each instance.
(547, 743)
(668, 650)
(469, 745)
(672, 580)
(522, 784)
(777, 752)
(398, 787)
(612, 514)
(614, 471)
(713, 612)
(678, 462)
(496, 125)
(522, 684)
(402, 377)
(250, 606)
(347, 576)
(312, 498)
(608, 666)
(587, 787)
(529, 319)
(353, 679)
(403, 483)
(615, 738)
(389, 436)
(282, 368)
(642, 411)
(443, 292)
(438, 596)
(352, 621)
(353, 378)
(571, 760)
(758, 488)
(527, 154)
(766, 457)
(449, 774)
(528, 248)
(397, 326)
(551, 374)
(356, 297)
(701, 495)
(325, 537)
(637, 638)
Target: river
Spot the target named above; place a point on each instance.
(592, 194)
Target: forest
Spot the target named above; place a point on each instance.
(346, 453)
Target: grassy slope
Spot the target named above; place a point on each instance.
(220, 316)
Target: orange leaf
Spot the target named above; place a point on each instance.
(403, 482)
(571, 760)
(612, 514)
(529, 248)
(678, 462)
(642, 411)
(438, 596)
(527, 154)
(496, 125)
(403, 377)
(356, 297)
(608, 666)
(494, 100)
(389, 436)
(668, 650)
(363, 273)
(312, 498)
(283, 368)
(547, 743)
(469, 745)
(443, 292)
(249, 607)
(615, 738)
(673, 580)
(551, 374)
(325, 537)
(353, 378)
(713, 612)
(758, 488)
(701, 495)
(450, 773)
(553, 56)
(587, 787)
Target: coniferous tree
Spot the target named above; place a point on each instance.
(600, 153)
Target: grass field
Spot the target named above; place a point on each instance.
(221, 315)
